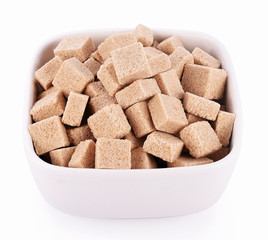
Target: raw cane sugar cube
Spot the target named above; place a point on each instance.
(158, 61)
(79, 47)
(79, 134)
(72, 76)
(192, 118)
(135, 142)
(167, 113)
(46, 92)
(220, 154)
(106, 47)
(187, 161)
(170, 84)
(137, 91)
(114, 42)
(109, 122)
(101, 101)
(200, 106)
(224, 126)
(95, 89)
(179, 58)
(75, 109)
(152, 52)
(203, 58)
(204, 81)
(169, 45)
(142, 160)
(155, 44)
(97, 56)
(123, 39)
(113, 154)
(131, 63)
(144, 35)
(92, 65)
(163, 145)
(62, 156)
(51, 105)
(48, 134)
(200, 139)
(46, 73)
(84, 155)
(108, 77)
(140, 119)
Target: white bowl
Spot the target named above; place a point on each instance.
(136, 193)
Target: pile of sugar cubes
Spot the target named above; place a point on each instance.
(132, 103)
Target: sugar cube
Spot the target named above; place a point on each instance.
(113, 154)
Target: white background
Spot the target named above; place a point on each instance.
(242, 27)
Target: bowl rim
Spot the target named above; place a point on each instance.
(32, 157)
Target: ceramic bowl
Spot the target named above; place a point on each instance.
(135, 193)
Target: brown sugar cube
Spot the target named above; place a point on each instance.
(131, 63)
(138, 91)
(92, 65)
(188, 161)
(167, 113)
(179, 58)
(101, 101)
(51, 105)
(158, 61)
(204, 81)
(152, 52)
(155, 44)
(113, 154)
(135, 142)
(108, 77)
(105, 48)
(203, 58)
(224, 126)
(170, 84)
(62, 156)
(79, 47)
(97, 56)
(140, 119)
(220, 154)
(169, 45)
(163, 145)
(46, 73)
(109, 122)
(142, 160)
(144, 35)
(192, 118)
(75, 109)
(114, 42)
(72, 76)
(200, 139)
(84, 155)
(200, 106)
(95, 89)
(46, 92)
(48, 134)
(79, 134)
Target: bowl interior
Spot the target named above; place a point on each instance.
(190, 40)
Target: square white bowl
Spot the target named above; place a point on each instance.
(135, 193)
